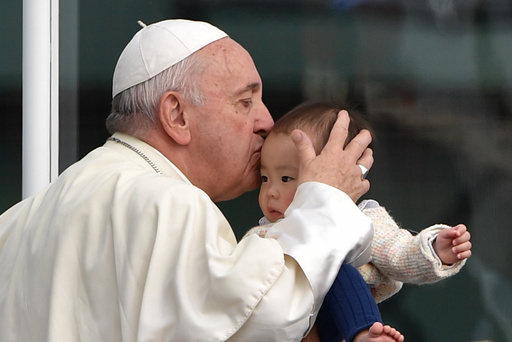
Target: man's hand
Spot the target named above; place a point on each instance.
(336, 166)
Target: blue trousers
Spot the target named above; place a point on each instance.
(348, 307)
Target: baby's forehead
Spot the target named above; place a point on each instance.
(279, 152)
(276, 139)
(284, 166)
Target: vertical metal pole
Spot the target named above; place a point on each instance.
(55, 86)
(40, 94)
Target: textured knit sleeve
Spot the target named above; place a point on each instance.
(401, 256)
(381, 286)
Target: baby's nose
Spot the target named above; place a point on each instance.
(273, 192)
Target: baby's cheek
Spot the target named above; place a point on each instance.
(260, 200)
(289, 199)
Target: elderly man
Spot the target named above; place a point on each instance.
(128, 245)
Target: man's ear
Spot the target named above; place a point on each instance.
(173, 118)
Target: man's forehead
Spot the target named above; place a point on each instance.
(251, 87)
(230, 64)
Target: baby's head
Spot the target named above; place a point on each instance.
(280, 160)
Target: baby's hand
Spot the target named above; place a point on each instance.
(452, 245)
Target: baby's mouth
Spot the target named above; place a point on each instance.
(275, 214)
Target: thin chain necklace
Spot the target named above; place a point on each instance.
(139, 152)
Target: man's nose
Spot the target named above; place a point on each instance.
(264, 121)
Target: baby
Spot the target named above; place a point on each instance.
(397, 256)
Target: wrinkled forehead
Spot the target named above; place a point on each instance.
(227, 56)
(229, 70)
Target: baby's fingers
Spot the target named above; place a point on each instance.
(460, 229)
(463, 251)
(450, 234)
(464, 255)
(465, 237)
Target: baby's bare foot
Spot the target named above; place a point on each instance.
(379, 333)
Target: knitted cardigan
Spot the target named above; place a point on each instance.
(397, 255)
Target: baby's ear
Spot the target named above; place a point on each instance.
(173, 117)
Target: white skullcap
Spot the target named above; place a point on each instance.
(159, 46)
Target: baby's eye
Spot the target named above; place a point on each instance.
(286, 179)
(264, 179)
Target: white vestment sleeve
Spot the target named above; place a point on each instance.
(321, 229)
(316, 236)
(113, 251)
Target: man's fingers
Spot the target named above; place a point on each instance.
(356, 150)
(335, 165)
(360, 143)
(366, 159)
(304, 147)
(339, 131)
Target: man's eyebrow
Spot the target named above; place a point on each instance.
(249, 87)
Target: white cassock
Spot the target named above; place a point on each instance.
(113, 251)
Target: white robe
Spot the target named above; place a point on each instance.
(113, 251)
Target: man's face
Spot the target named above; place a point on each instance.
(228, 130)
(279, 174)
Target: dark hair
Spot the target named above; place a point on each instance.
(319, 118)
